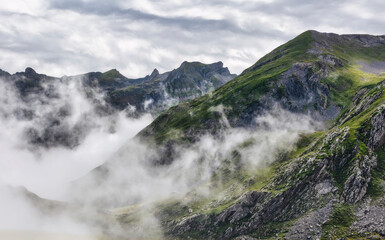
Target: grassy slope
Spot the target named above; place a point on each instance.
(111, 76)
(226, 194)
(237, 94)
(254, 82)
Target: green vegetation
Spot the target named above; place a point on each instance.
(304, 142)
(247, 89)
(238, 181)
(337, 152)
(376, 185)
(111, 76)
(273, 230)
(345, 83)
(121, 97)
(236, 95)
(339, 223)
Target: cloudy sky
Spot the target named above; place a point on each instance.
(67, 37)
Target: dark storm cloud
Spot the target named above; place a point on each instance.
(68, 37)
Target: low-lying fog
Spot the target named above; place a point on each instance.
(48, 169)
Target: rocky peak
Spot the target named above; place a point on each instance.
(191, 65)
(212, 68)
(216, 65)
(114, 71)
(30, 73)
(30, 70)
(184, 63)
(4, 73)
(154, 73)
(111, 77)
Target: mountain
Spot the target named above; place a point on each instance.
(190, 80)
(157, 92)
(93, 96)
(329, 186)
(295, 75)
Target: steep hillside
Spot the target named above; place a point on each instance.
(332, 186)
(314, 73)
(329, 186)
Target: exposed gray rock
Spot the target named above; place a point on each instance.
(370, 218)
(304, 91)
(357, 184)
(300, 90)
(311, 224)
(362, 101)
(324, 187)
(244, 208)
(331, 60)
(308, 185)
(377, 130)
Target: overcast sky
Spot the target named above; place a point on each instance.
(68, 37)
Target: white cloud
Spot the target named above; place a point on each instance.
(69, 37)
(32, 7)
(48, 171)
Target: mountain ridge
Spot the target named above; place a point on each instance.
(276, 55)
(108, 93)
(321, 189)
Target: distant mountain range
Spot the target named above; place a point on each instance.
(107, 93)
(152, 93)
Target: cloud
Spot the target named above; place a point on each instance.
(68, 117)
(131, 168)
(68, 37)
(50, 171)
(129, 178)
(53, 172)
